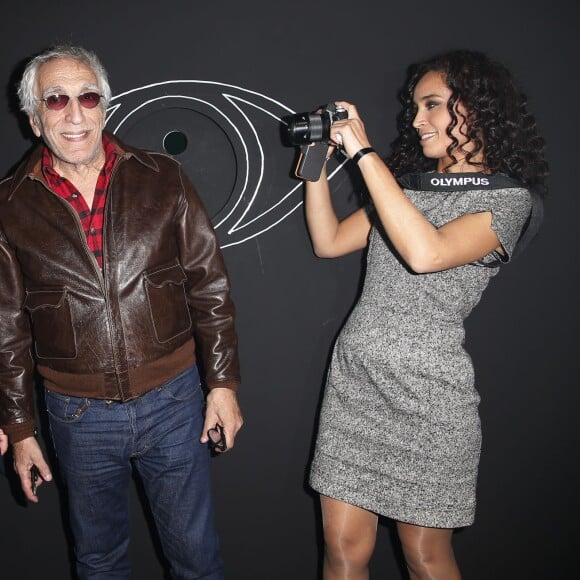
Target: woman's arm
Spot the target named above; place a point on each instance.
(424, 247)
(330, 237)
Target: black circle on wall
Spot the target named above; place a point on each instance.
(175, 142)
(208, 156)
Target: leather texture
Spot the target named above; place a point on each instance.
(163, 279)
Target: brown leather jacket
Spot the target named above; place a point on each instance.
(118, 332)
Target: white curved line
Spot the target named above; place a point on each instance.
(204, 83)
(230, 98)
(245, 148)
(265, 229)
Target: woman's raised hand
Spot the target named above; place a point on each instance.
(349, 133)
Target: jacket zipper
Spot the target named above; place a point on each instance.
(93, 260)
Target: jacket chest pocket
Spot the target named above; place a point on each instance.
(167, 299)
(52, 327)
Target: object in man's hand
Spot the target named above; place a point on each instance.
(217, 438)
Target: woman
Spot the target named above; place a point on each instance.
(399, 432)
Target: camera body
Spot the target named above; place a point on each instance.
(311, 132)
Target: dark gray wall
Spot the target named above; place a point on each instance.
(523, 336)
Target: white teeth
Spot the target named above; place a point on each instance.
(426, 136)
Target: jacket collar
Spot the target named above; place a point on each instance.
(31, 166)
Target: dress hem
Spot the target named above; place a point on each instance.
(433, 520)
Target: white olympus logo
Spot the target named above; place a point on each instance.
(459, 181)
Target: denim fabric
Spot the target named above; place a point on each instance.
(98, 443)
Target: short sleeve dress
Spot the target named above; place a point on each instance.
(399, 431)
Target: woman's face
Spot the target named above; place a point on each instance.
(432, 120)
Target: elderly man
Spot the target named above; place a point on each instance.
(109, 270)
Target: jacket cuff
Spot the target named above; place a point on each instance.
(18, 431)
(233, 385)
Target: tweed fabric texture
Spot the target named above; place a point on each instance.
(399, 431)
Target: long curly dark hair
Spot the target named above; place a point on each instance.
(499, 123)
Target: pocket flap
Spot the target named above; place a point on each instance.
(168, 275)
(44, 299)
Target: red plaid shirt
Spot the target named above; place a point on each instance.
(91, 219)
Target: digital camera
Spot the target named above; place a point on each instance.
(311, 132)
(307, 128)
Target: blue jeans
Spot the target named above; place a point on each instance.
(99, 442)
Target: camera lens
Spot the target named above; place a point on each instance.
(305, 128)
(299, 129)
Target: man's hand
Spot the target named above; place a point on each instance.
(222, 408)
(3, 442)
(27, 454)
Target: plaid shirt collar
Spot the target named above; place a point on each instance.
(91, 218)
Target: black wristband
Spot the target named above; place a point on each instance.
(356, 157)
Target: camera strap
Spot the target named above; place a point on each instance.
(456, 181)
(477, 181)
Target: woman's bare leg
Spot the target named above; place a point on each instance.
(349, 535)
(428, 552)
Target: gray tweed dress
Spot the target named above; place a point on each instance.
(399, 431)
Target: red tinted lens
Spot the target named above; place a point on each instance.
(56, 102)
(89, 100)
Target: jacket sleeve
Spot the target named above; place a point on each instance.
(208, 291)
(17, 416)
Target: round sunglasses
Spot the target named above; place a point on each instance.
(57, 102)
